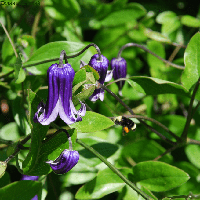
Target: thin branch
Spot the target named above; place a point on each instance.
(13, 46)
(55, 59)
(192, 141)
(166, 152)
(132, 113)
(154, 121)
(18, 148)
(189, 117)
(152, 53)
(115, 170)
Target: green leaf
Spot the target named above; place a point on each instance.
(83, 95)
(158, 176)
(62, 10)
(20, 74)
(91, 69)
(158, 68)
(130, 14)
(138, 153)
(92, 122)
(193, 154)
(192, 62)
(10, 131)
(164, 17)
(5, 179)
(190, 21)
(38, 132)
(52, 50)
(101, 186)
(156, 36)
(155, 86)
(25, 190)
(20, 115)
(3, 166)
(80, 76)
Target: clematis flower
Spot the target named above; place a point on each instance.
(119, 67)
(101, 66)
(32, 178)
(59, 100)
(65, 162)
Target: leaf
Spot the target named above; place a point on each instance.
(191, 72)
(5, 179)
(91, 69)
(158, 176)
(3, 166)
(80, 76)
(156, 36)
(193, 154)
(25, 190)
(164, 17)
(20, 74)
(101, 186)
(130, 14)
(62, 10)
(10, 131)
(52, 50)
(20, 115)
(190, 21)
(92, 122)
(38, 132)
(137, 152)
(155, 86)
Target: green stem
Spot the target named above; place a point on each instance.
(55, 59)
(152, 53)
(115, 170)
(13, 46)
(189, 117)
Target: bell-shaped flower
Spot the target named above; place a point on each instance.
(65, 162)
(101, 66)
(59, 100)
(119, 67)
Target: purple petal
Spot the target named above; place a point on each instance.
(59, 97)
(119, 68)
(65, 162)
(100, 66)
(27, 177)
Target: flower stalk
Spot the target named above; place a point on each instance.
(115, 170)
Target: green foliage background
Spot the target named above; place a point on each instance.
(40, 30)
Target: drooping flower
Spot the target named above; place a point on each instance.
(31, 178)
(119, 67)
(65, 162)
(59, 100)
(101, 66)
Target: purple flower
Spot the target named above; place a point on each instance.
(27, 177)
(32, 178)
(59, 97)
(65, 162)
(101, 66)
(119, 67)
